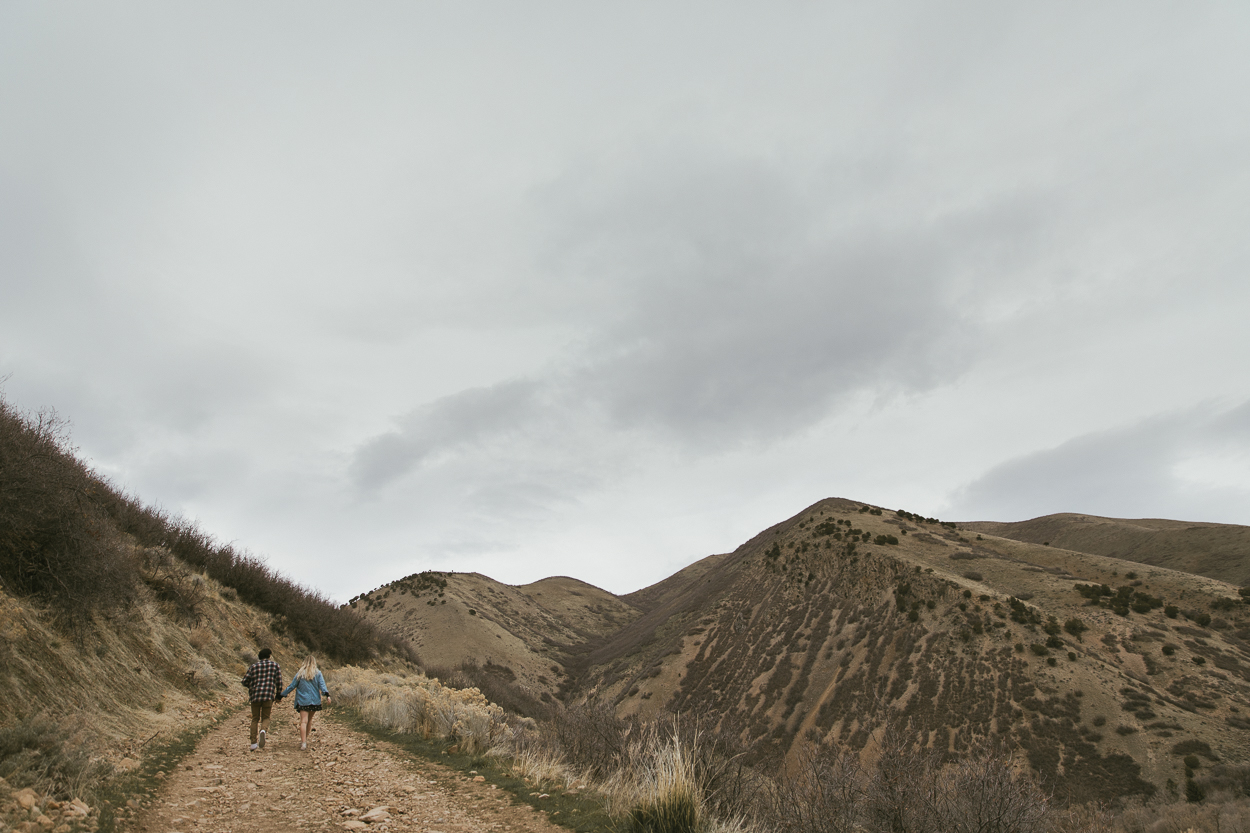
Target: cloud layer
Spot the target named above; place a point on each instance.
(597, 291)
(1189, 465)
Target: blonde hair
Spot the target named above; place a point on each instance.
(309, 669)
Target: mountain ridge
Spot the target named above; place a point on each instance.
(1215, 550)
(846, 618)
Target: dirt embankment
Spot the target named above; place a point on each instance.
(345, 781)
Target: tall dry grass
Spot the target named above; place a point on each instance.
(425, 706)
(661, 788)
(39, 753)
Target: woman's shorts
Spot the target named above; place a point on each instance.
(313, 708)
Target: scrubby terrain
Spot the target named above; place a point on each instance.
(1110, 678)
(1219, 551)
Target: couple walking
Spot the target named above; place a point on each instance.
(264, 678)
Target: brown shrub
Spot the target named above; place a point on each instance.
(593, 739)
(54, 537)
(825, 794)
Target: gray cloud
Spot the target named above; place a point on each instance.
(467, 418)
(726, 303)
(1173, 465)
(756, 302)
(430, 282)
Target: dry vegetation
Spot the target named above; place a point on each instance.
(676, 776)
(121, 626)
(82, 547)
(1219, 551)
(848, 619)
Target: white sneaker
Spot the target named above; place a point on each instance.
(255, 747)
(303, 747)
(261, 744)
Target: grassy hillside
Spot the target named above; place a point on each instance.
(120, 625)
(846, 619)
(493, 635)
(1220, 551)
(804, 632)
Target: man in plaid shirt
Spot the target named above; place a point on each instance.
(263, 680)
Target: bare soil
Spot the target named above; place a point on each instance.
(338, 784)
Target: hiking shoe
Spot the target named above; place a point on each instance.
(261, 743)
(254, 747)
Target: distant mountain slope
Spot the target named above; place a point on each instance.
(1220, 551)
(453, 617)
(820, 627)
(846, 618)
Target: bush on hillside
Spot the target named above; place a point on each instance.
(54, 539)
(910, 790)
(59, 543)
(825, 794)
(1198, 617)
(593, 739)
(1076, 627)
(498, 683)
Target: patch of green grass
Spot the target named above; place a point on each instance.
(580, 811)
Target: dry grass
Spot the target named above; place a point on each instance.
(119, 685)
(38, 753)
(420, 705)
(663, 792)
(541, 764)
(664, 780)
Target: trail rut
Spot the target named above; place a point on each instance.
(338, 784)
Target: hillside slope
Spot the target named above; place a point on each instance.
(1220, 551)
(813, 629)
(119, 680)
(453, 617)
(847, 617)
(121, 626)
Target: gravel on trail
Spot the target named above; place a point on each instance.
(345, 781)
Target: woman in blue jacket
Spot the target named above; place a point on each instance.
(309, 687)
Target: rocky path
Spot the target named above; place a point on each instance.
(345, 781)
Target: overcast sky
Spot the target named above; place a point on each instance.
(598, 289)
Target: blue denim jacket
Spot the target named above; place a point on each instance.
(307, 692)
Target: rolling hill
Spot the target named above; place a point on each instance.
(453, 617)
(1103, 673)
(1220, 551)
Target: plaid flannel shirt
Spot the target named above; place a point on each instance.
(263, 680)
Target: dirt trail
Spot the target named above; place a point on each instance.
(338, 784)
